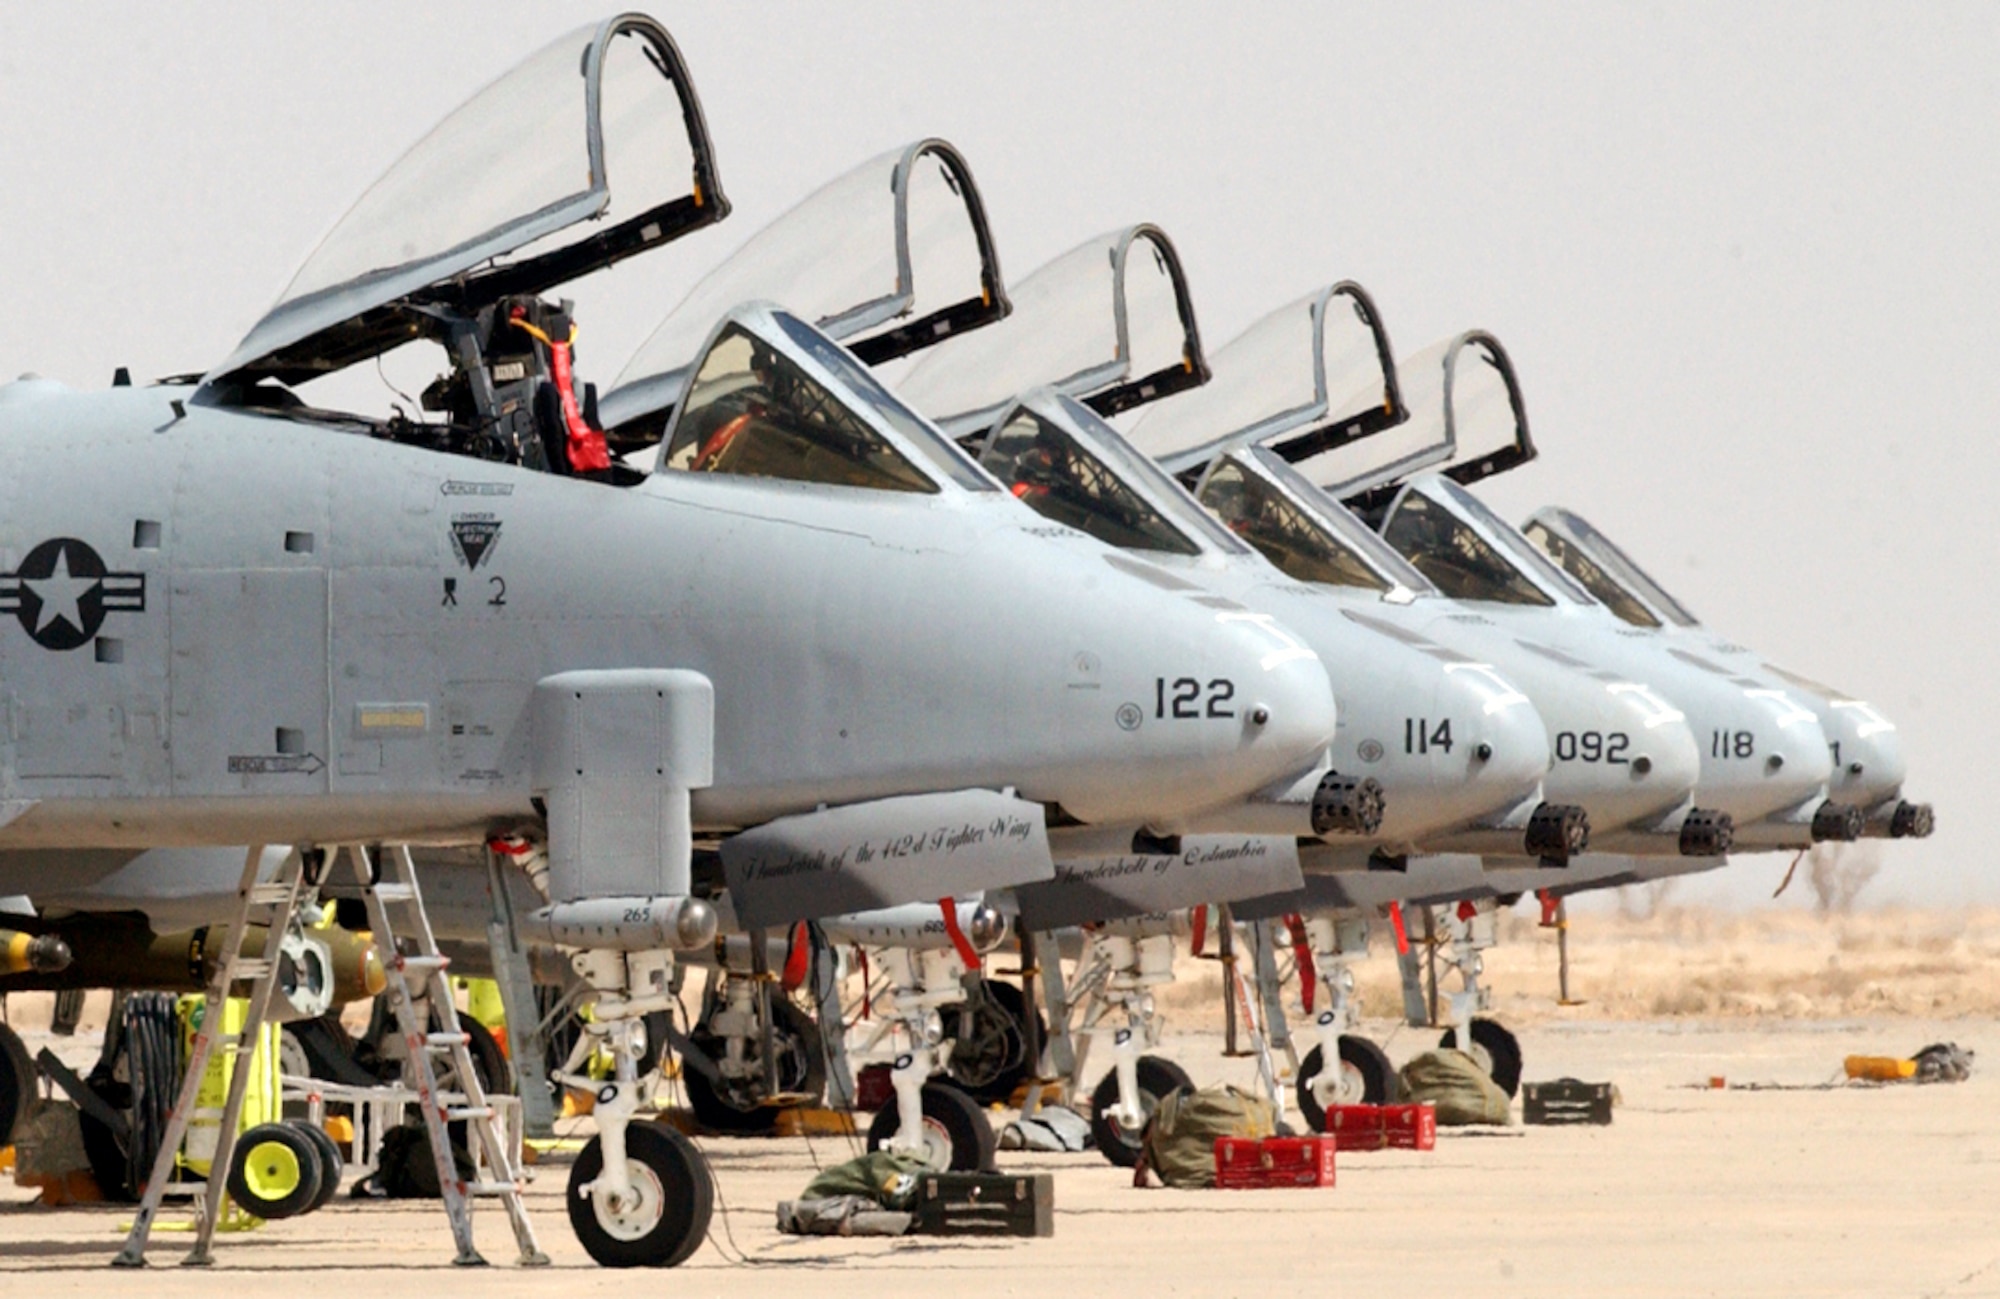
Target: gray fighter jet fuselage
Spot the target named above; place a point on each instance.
(238, 627)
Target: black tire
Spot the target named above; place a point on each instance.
(1157, 1077)
(1367, 1063)
(329, 1052)
(738, 1108)
(148, 1042)
(331, 1165)
(17, 1085)
(951, 1119)
(1502, 1051)
(274, 1172)
(496, 1076)
(994, 1062)
(681, 1190)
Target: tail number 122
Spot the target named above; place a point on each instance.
(1188, 696)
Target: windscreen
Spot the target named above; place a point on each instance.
(1457, 560)
(1174, 500)
(1594, 579)
(1516, 546)
(1337, 519)
(934, 446)
(1051, 473)
(1282, 532)
(1620, 565)
(751, 411)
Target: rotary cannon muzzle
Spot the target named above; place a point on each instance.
(1707, 833)
(1344, 805)
(1839, 822)
(1912, 821)
(1557, 832)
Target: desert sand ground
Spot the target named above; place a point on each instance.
(1775, 1185)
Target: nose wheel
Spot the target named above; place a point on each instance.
(1119, 1141)
(1494, 1049)
(956, 1136)
(663, 1215)
(1362, 1076)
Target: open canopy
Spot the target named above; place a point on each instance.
(1463, 393)
(1110, 322)
(890, 257)
(773, 398)
(484, 206)
(1314, 374)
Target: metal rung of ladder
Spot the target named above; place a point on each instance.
(414, 978)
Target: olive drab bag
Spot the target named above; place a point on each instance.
(1179, 1143)
(1454, 1083)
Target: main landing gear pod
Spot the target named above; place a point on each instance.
(618, 752)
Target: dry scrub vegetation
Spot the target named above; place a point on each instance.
(1699, 963)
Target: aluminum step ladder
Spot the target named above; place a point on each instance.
(418, 974)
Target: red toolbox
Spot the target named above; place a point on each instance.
(1383, 1127)
(1248, 1163)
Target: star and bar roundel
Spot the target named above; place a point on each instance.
(62, 591)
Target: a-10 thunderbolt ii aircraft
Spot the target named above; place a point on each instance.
(1452, 384)
(1868, 763)
(893, 260)
(244, 619)
(1086, 320)
(1098, 357)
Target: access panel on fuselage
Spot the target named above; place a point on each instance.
(249, 682)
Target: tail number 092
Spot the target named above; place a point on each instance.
(1592, 746)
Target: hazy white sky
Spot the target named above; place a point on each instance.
(1744, 255)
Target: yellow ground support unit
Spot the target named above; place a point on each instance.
(261, 1096)
(1880, 1068)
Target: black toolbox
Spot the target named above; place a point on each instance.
(1566, 1100)
(984, 1204)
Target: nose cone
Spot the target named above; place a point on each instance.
(1207, 704)
(1622, 754)
(1468, 747)
(1867, 754)
(1510, 753)
(1770, 759)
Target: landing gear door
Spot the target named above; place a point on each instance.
(892, 257)
(1313, 375)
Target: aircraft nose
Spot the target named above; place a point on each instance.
(1288, 715)
(1510, 743)
(1868, 763)
(1662, 764)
